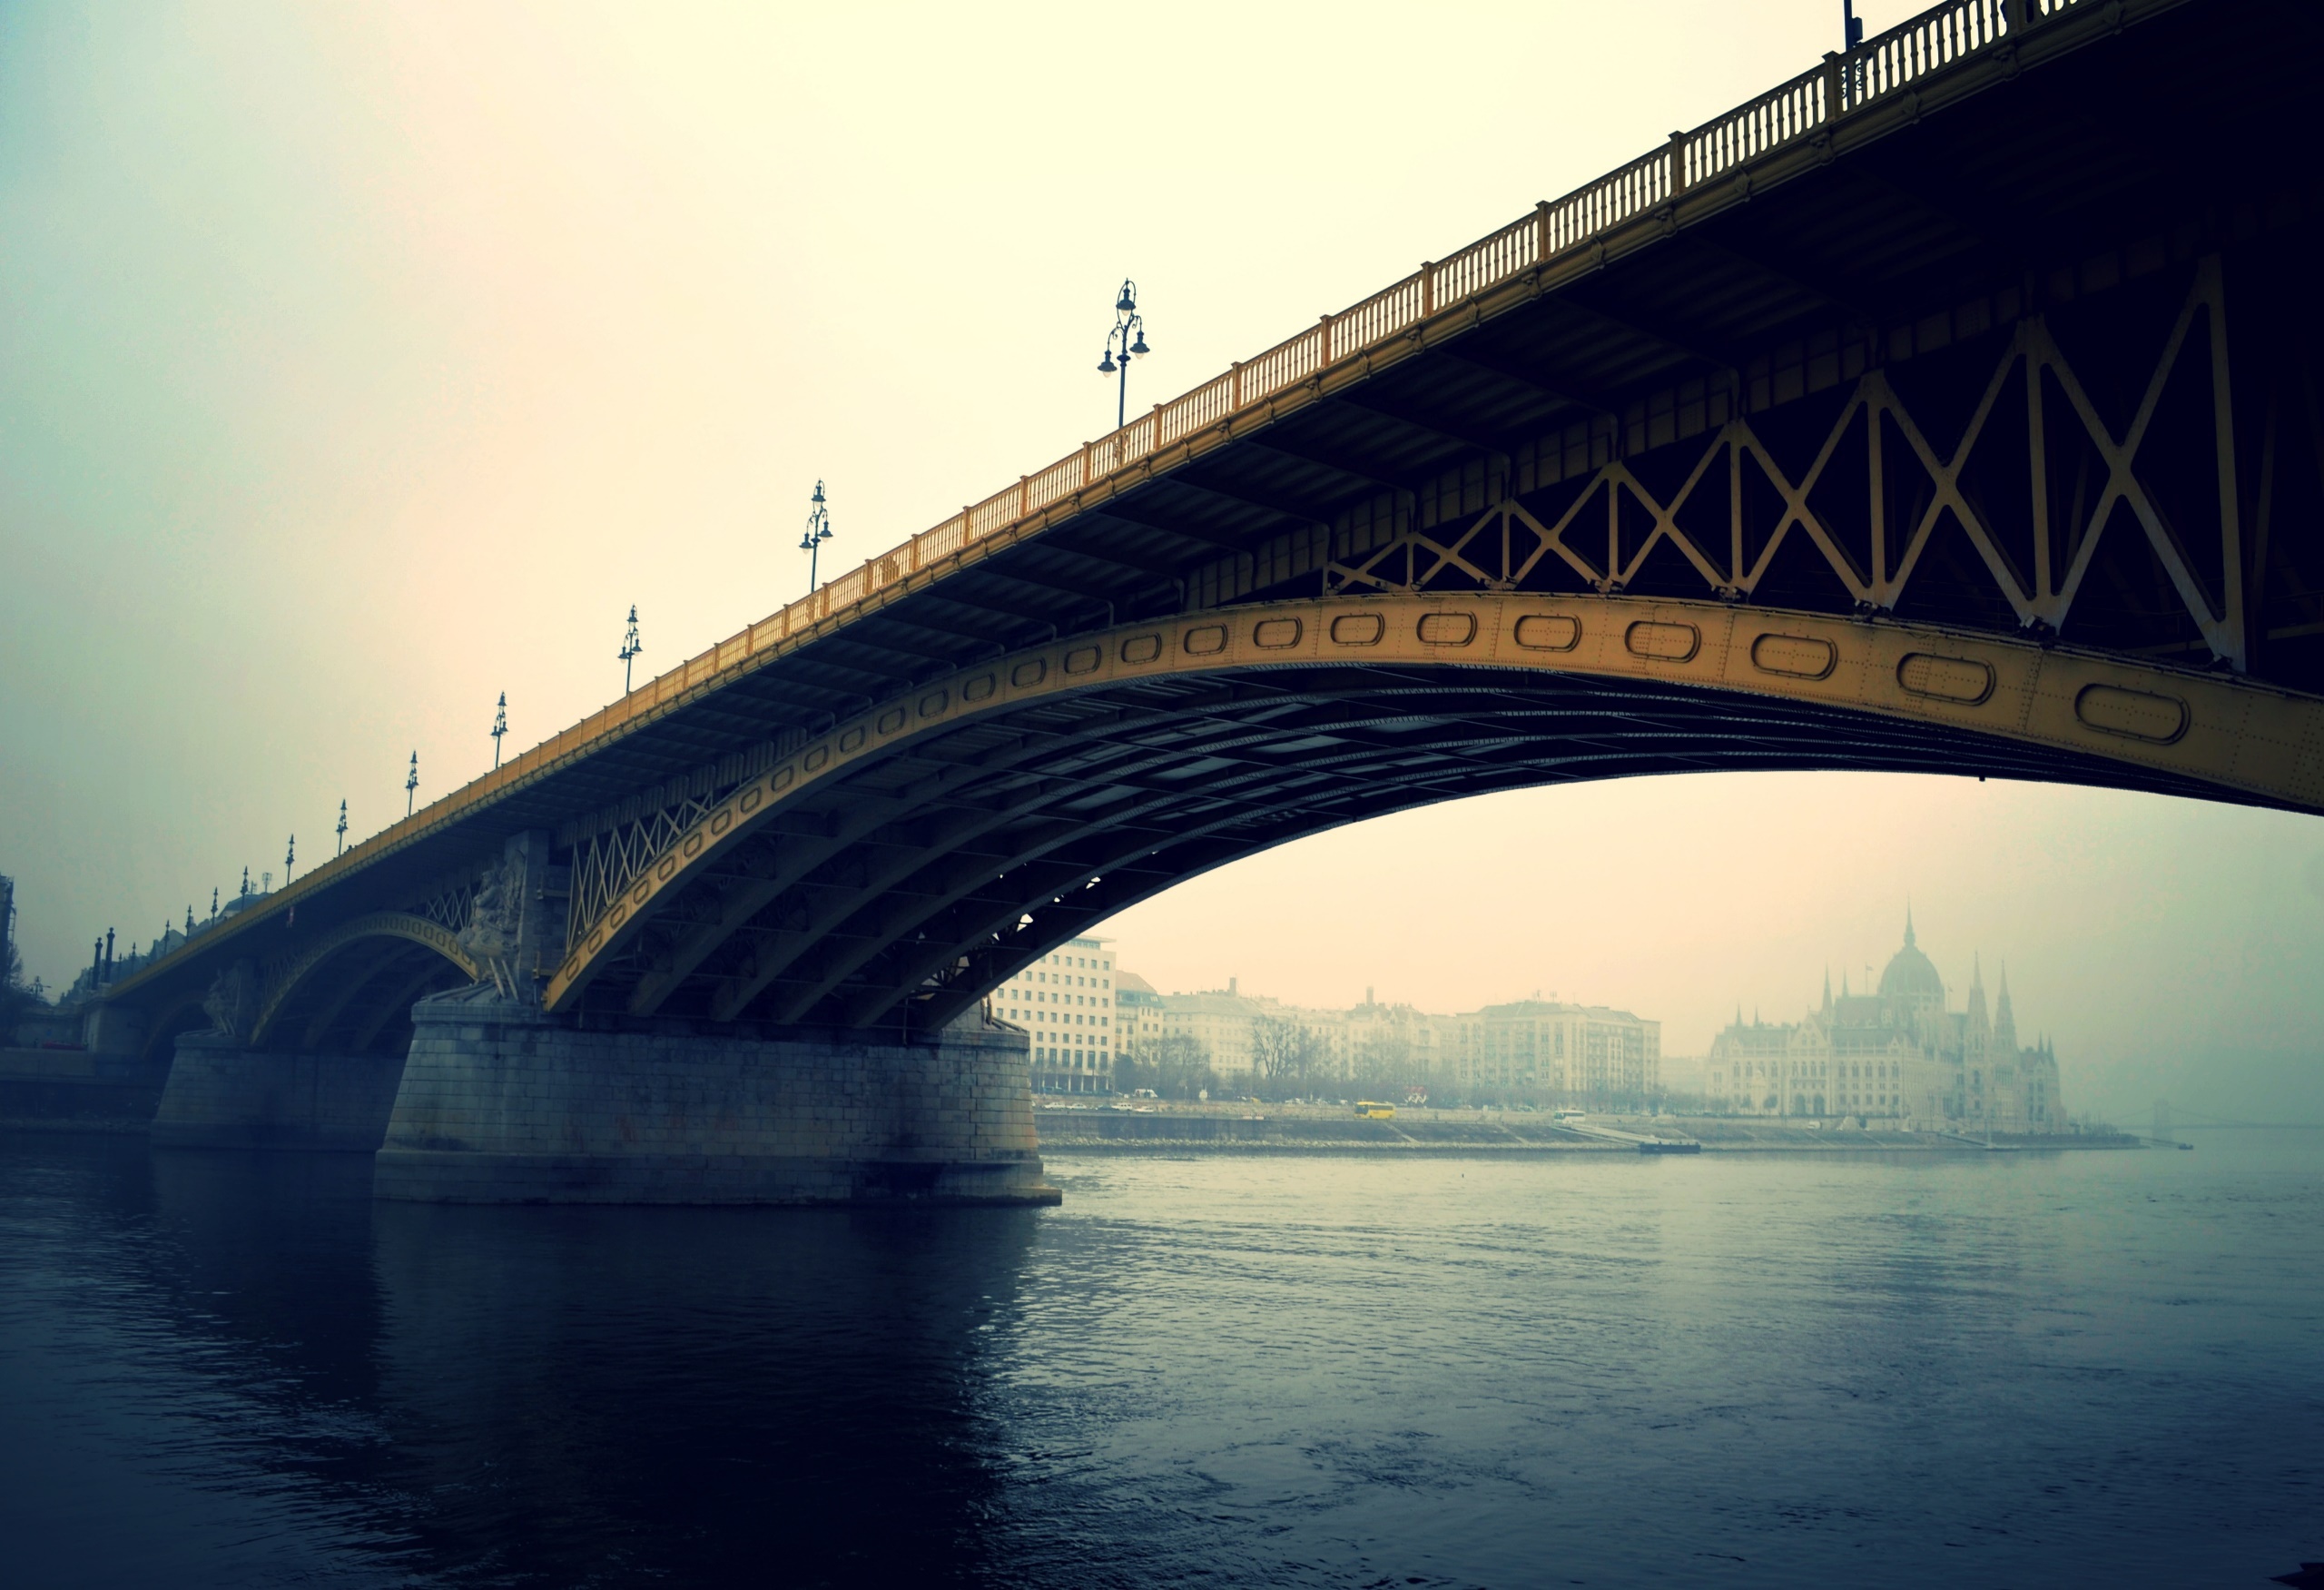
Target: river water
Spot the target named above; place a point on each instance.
(2020, 1369)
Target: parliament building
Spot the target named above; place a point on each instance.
(1897, 1057)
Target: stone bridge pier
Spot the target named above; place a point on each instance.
(496, 1103)
(500, 1103)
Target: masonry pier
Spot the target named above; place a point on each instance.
(500, 1103)
(223, 1095)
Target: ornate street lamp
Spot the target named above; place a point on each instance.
(1126, 340)
(342, 830)
(630, 647)
(500, 728)
(290, 860)
(411, 784)
(819, 530)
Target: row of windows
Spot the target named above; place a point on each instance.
(1072, 1057)
(1069, 970)
(1814, 1068)
(1014, 1013)
(1027, 978)
(1045, 985)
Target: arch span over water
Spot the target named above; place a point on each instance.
(920, 853)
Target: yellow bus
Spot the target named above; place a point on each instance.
(1367, 1109)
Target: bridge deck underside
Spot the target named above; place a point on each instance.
(359, 999)
(903, 890)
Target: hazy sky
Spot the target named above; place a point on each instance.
(359, 363)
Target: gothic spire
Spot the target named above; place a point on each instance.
(1909, 924)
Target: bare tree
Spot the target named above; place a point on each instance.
(1383, 1062)
(1274, 1053)
(1286, 1058)
(1175, 1066)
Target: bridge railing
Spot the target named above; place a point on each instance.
(1788, 112)
(1744, 134)
(1915, 48)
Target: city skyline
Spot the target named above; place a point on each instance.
(2071, 888)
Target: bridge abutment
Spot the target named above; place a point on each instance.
(222, 1095)
(500, 1103)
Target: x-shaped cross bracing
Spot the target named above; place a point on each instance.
(2043, 596)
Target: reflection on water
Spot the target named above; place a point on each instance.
(505, 1395)
(714, 1392)
(219, 1369)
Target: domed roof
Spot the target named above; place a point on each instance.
(1912, 977)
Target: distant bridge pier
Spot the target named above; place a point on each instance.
(502, 1103)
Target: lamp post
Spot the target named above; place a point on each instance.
(500, 728)
(342, 830)
(290, 860)
(1852, 36)
(630, 647)
(1127, 340)
(819, 530)
(411, 784)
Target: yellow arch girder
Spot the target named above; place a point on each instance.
(292, 974)
(2250, 742)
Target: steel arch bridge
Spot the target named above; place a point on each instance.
(1952, 407)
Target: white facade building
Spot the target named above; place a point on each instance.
(1066, 1003)
(1579, 1053)
(1221, 1021)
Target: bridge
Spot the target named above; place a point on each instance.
(1951, 408)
